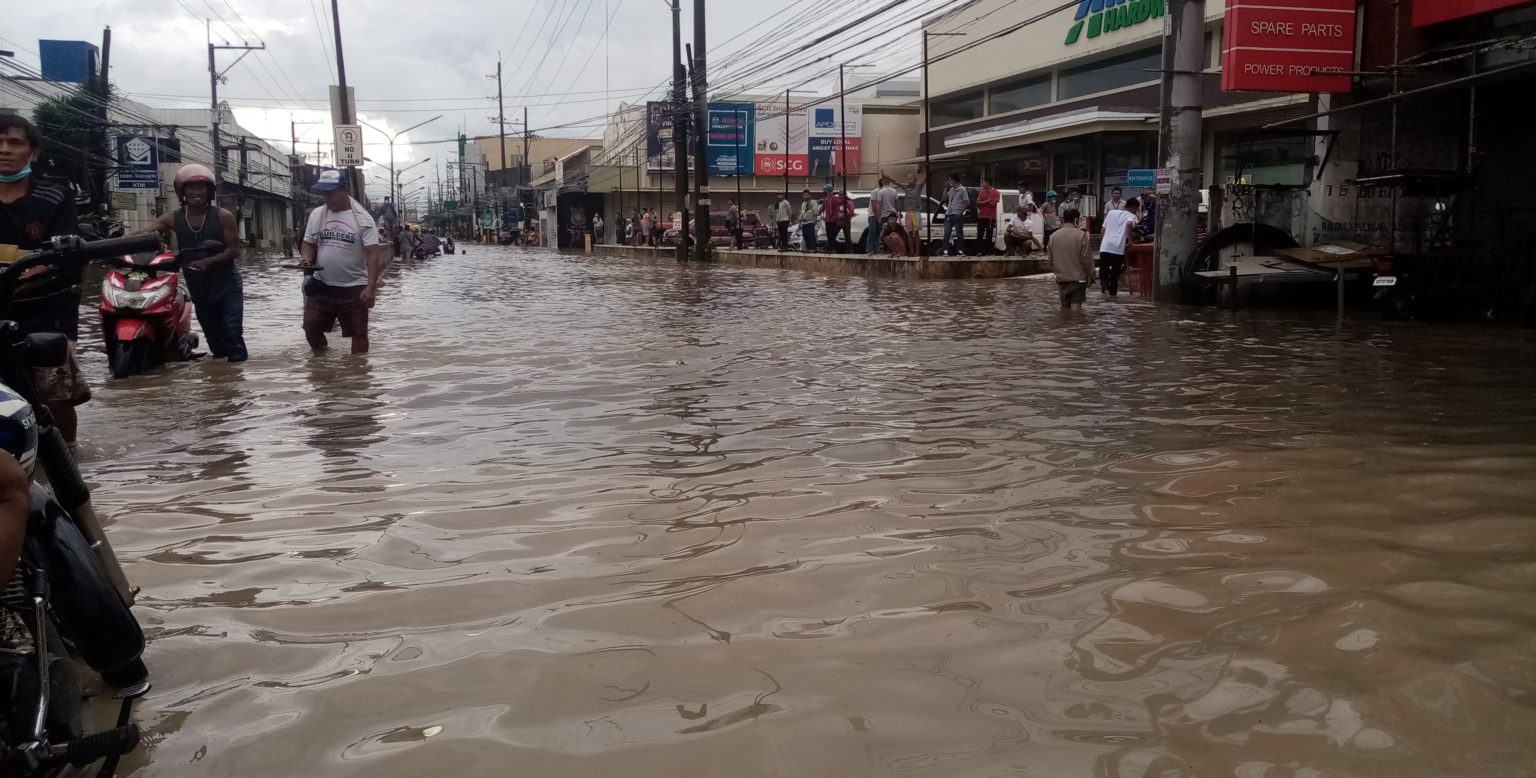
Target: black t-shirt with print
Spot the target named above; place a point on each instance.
(46, 210)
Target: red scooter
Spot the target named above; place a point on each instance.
(146, 317)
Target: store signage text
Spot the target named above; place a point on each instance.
(1288, 46)
(1101, 16)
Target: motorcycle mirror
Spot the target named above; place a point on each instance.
(47, 349)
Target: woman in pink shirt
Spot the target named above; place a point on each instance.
(986, 216)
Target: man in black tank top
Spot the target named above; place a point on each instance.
(213, 281)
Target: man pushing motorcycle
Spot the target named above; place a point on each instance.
(213, 281)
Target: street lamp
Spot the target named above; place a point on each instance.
(927, 129)
(396, 135)
(403, 171)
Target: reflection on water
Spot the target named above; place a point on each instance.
(580, 516)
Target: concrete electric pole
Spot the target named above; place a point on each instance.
(1179, 215)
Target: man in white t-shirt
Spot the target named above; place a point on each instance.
(342, 242)
(1118, 225)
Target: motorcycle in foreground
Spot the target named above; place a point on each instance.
(69, 598)
(146, 316)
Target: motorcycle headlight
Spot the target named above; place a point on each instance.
(122, 298)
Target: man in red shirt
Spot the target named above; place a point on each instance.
(986, 216)
(834, 209)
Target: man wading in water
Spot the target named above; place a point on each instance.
(213, 281)
(342, 242)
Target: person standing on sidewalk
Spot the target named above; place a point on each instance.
(810, 211)
(1050, 215)
(781, 217)
(1068, 252)
(882, 201)
(959, 201)
(834, 208)
(1118, 228)
(733, 223)
(986, 216)
(342, 242)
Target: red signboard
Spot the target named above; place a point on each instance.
(1288, 45)
(773, 164)
(1427, 12)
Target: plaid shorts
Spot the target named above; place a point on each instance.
(333, 304)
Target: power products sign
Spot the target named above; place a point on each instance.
(138, 163)
(730, 138)
(1288, 46)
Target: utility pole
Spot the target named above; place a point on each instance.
(103, 91)
(346, 104)
(927, 130)
(679, 131)
(501, 131)
(527, 182)
(1179, 217)
(702, 229)
(214, 77)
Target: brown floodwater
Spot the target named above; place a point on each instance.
(582, 517)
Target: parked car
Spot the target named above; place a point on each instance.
(751, 228)
(909, 202)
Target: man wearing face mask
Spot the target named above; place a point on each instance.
(32, 211)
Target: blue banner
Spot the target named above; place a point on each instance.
(731, 131)
(138, 163)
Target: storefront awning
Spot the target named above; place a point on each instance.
(1046, 128)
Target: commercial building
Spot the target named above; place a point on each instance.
(1072, 100)
(149, 145)
(1403, 132)
(759, 148)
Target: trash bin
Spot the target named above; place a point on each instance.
(1139, 259)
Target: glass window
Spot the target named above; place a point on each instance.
(1249, 160)
(1018, 95)
(1138, 67)
(956, 109)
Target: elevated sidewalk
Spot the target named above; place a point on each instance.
(935, 268)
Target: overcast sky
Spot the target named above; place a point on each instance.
(407, 61)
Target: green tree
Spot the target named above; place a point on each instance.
(74, 139)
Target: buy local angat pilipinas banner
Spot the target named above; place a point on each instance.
(807, 144)
(826, 134)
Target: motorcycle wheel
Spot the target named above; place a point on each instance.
(91, 615)
(128, 358)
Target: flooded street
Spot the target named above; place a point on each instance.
(582, 516)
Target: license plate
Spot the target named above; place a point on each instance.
(1385, 281)
(143, 276)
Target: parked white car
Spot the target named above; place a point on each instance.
(909, 202)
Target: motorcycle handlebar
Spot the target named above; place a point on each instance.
(71, 248)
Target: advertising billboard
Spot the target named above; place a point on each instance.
(1288, 46)
(780, 140)
(658, 128)
(731, 130)
(138, 163)
(826, 135)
